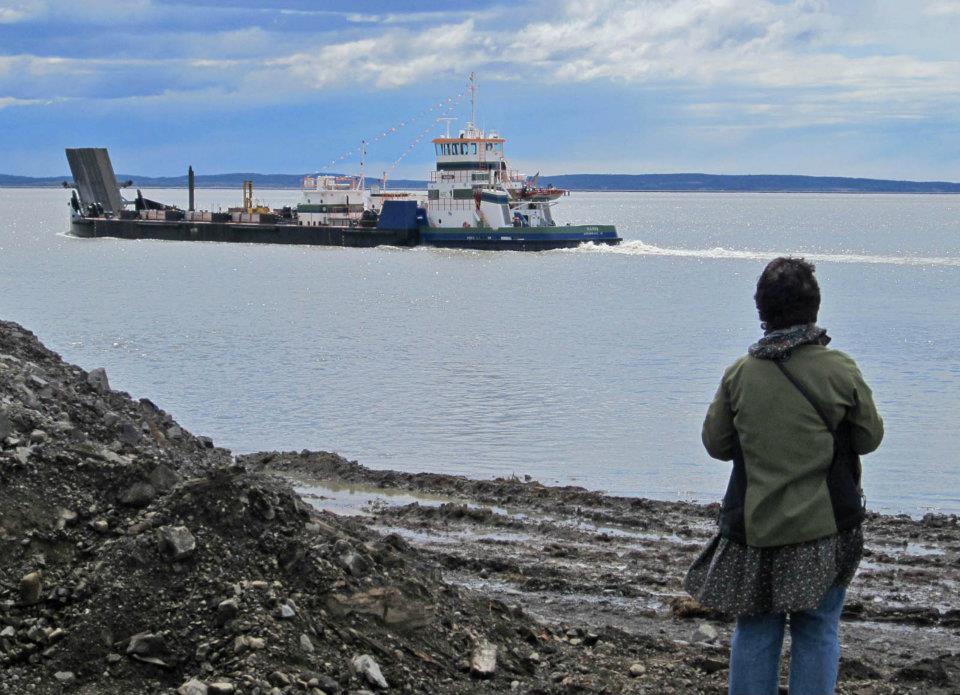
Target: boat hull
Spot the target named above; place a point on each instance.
(520, 238)
(244, 233)
(502, 239)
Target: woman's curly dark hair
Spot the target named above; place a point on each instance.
(787, 293)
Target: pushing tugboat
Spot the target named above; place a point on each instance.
(473, 201)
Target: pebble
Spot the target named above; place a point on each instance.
(637, 670)
(365, 666)
(193, 687)
(31, 586)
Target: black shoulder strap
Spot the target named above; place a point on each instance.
(806, 394)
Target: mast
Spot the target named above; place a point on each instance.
(473, 99)
(363, 156)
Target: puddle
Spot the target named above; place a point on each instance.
(359, 500)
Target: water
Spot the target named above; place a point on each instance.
(592, 366)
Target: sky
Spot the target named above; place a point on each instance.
(818, 87)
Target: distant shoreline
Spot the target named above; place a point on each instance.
(620, 183)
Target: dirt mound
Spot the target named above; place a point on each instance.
(137, 558)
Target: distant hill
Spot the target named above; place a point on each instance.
(578, 182)
(746, 183)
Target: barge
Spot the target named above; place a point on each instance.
(473, 201)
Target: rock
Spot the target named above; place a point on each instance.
(8, 632)
(227, 610)
(245, 642)
(364, 665)
(637, 670)
(483, 660)
(110, 419)
(193, 687)
(708, 632)
(355, 563)
(221, 688)
(97, 378)
(279, 679)
(206, 442)
(138, 495)
(145, 644)
(6, 427)
(174, 433)
(328, 685)
(305, 643)
(38, 437)
(100, 525)
(710, 665)
(176, 542)
(31, 586)
(64, 676)
(129, 434)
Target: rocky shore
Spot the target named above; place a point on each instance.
(136, 557)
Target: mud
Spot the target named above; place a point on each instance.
(570, 556)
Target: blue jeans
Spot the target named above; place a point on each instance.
(814, 652)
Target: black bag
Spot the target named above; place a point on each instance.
(843, 477)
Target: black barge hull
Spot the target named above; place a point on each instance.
(271, 233)
(243, 233)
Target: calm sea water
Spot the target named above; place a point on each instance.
(591, 366)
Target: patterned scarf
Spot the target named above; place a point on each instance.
(777, 345)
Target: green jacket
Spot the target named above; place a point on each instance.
(787, 450)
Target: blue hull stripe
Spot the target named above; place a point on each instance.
(530, 234)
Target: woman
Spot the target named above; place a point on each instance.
(793, 416)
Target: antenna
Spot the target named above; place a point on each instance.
(363, 154)
(448, 119)
(473, 99)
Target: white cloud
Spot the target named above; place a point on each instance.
(778, 62)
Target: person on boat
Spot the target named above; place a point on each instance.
(793, 416)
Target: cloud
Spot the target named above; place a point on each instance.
(775, 62)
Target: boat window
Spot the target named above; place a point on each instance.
(489, 146)
(463, 148)
(473, 150)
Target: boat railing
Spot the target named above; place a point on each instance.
(452, 204)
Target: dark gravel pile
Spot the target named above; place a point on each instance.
(138, 558)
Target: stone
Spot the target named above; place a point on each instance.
(206, 442)
(110, 419)
(708, 632)
(100, 525)
(221, 688)
(176, 542)
(286, 612)
(355, 563)
(8, 632)
(31, 586)
(365, 666)
(193, 687)
(129, 434)
(174, 433)
(145, 644)
(138, 495)
(279, 679)
(244, 642)
(637, 670)
(483, 660)
(97, 378)
(64, 676)
(305, 643)
(227, 610)
(37, 382)
(6, 427)
(328, 685)
(38, 437)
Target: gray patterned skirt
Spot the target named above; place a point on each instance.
(742, 580)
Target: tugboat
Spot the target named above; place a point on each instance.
(474, 201)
